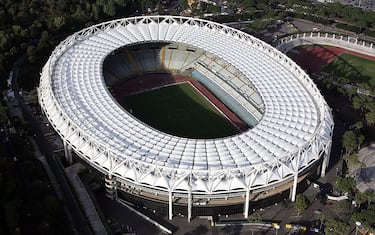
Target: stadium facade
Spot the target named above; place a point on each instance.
(291, 132)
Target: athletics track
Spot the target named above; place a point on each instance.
(314, 58)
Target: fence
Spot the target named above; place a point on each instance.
(331, 39)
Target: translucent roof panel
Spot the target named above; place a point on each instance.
(294, 111)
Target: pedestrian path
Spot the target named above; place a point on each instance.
(84, 199)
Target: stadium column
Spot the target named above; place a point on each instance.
(326, 159)
(170, 207)
(68, 153)
(247, 202)
(294, 189)
(295, 180)
(40, 101)
(189, 204)
(110, 186)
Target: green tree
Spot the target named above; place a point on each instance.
(4, 40)
(357, 102)
(255, 217)
(336, 227)
(360, 140)
(370, 105)
(352, 159)
(301, 204)
(31, 54)
(364, 197)
(3, 62)
(121, 3)
(358, 125)
(344, 209)
(349, 141)
(13, 50)
(184, 4)
(3, 114)
(160, 8)
(35, 28)
(59, 22)
(370, 118)
(109, 8)
(345, 184)
(44, 43)
(17, 29)
(95, 11)
(366, 217)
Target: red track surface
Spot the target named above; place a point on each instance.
(150, 81)
(314, 58)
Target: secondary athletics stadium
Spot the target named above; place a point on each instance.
(288, 131)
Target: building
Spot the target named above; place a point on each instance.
(289, 142)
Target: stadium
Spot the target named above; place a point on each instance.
(282, 125)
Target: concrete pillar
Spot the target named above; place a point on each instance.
(189, 204)
(371, 45)
(247, 202)
(326, 159)
(294, 189)
(170, 207)
(319, 170)
(110, 186)
(39, 100)
(326, 35)
(324, 167)
(68, 153)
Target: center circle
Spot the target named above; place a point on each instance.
(182, 90)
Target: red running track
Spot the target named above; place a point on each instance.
(314, 58)
(151, 81)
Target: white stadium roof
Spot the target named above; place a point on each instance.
(295, 128)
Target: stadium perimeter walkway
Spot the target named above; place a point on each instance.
(84, 199)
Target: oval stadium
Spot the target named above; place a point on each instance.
(102, 90)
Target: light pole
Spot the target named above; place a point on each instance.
(277, 227)
(357, 224)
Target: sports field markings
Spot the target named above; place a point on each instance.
(162, 109)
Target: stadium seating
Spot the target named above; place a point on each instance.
(295, 124)
(212, 71)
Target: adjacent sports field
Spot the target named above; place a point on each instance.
(315, 57)
(179, 110)
(356, 69)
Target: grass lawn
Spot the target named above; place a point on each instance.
(355, 69)
(180, 110)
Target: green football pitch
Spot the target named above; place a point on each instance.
(355, 69)
(180, 110)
